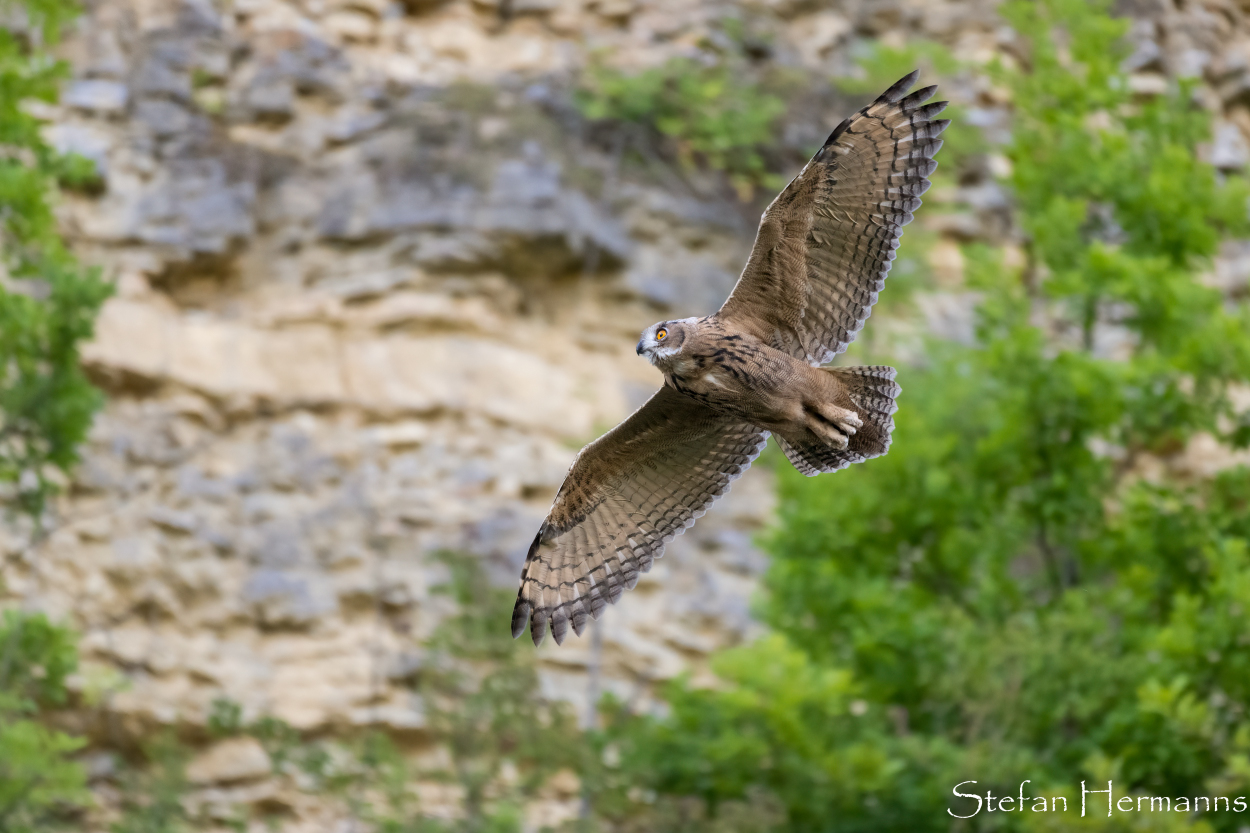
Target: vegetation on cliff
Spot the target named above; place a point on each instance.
(47, 306)
(48, 302)
(720, 109)
(40, 782)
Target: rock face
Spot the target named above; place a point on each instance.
(376, 285)
(375, 288)
(230, 760)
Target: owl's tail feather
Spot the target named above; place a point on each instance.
(873, 391)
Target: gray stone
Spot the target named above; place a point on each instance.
(216, 539)
(105, 57)
(282, 599)
(89, 140)
(165, 72)
(1190, 63)
(1146, 55)
(268, 86)
(987, 196)
(736, 551)
(97, 95)
(277, 543)
(405, 666)
(173, 519)
(526, 223)
(132, 558)
(449, 251)
(683, 210)
(349, 126)
(1235, 90)
(209, 59)
(357, 287)
(196, 208)
(502, 539)
(199, 17)
(268, 96)
(1232, 267)
(961, 225)
(162, 117)
(682, 283)
(193, 484)
(100, 766)
(993, 122)
(1229, 150)
(534, 6)
(951, 316)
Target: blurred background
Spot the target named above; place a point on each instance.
(307, 305)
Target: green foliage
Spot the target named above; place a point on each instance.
(715, 109)
(47, 304)
(152, 795)
(35, 658)
(225, 718)
(39, 780)
(367, 774)
(883, 65)
(1006, 596)
(47, 301)
(40, 784)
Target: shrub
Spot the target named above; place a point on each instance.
(47, 301)
(713, 109)
(40, 783)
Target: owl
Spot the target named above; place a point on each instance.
(751, 369)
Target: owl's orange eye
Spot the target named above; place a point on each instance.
(661, 334)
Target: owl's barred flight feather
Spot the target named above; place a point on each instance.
(628, 494)
(826, 243)
(821, 256)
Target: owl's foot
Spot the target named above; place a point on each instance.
(835, 426)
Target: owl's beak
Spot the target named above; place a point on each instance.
(638, 349)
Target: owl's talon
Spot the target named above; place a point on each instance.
(829, 433)
(835, 426)
(847, 426)
(837, 440)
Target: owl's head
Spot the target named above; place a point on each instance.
(665, 339)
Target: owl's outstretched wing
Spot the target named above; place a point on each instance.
(825, 244)
(628, 494)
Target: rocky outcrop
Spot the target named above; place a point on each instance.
(375, 288)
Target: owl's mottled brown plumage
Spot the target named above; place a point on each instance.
(821, 255)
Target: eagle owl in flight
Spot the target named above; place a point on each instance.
(751, 369)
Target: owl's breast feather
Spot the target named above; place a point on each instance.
(711, 379)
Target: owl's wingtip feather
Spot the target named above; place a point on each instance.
(900, 87)
(520, 617)
(559, 625)
(538, 627)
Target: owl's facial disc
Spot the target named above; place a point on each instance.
(663, 339)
